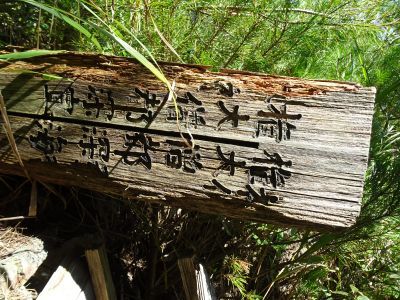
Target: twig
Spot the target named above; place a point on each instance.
(234, 52)
(220, 28)
(277, 41)
(235, 10)
(165, 41)
(53, 191)
(6, 184)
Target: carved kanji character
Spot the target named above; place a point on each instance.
(217, 185)
(104, 149)
(141, 141)
(47, 144)
(187, 98)
(191, 159)
(95, 147)
(261, 197)
(227, 89)
(146, 115)
(189, 109)
(232, 116)
(229, 164)
(274, 158)
(92, 95)
(268, 175)
(150, 99)
(65, 98)
(277, 125)
(195, 117)
(186, 159)
(174, 158)
(175, 112)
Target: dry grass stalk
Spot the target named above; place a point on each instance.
(10, 136)
(19, 294)
(16, 218)
(20, 257)
(11, 240)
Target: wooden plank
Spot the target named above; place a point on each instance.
(188, 275)
(100, 274)
(266, 148)
(33, 203)
(196, 282)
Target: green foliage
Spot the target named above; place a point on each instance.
(27, 54)
(340, 40)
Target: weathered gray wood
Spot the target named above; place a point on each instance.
(295, 155)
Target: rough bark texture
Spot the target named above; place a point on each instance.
(266, 148)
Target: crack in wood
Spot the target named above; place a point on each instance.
(237, 142)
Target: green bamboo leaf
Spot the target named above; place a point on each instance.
(354, 289)
(393, 139)
(314, 259)
(143, 60)
(324, 240)
(340, 293)
(27, 54)
(63, 16)
(123, 27)
(137, 55)
(50, 77)
(47, 76)
(285, 273)
(119, 35)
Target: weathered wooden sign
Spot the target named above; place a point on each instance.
(252, 146)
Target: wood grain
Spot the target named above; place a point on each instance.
(266, 148)
(100, 274)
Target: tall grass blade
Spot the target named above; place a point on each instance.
(165, 41)
(63, 16)
(113, 36)
(121, 26)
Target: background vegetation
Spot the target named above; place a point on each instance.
(326, 39)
